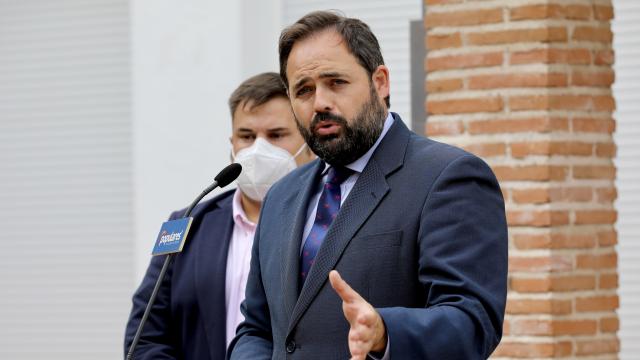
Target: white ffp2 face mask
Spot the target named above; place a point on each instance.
(262, 165)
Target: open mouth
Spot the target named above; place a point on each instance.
(327, 127)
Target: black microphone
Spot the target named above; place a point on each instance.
(228, 174)
(224, 178)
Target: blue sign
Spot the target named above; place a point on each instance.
(172, 236)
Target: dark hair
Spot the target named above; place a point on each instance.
(256, 91)
(357, 35)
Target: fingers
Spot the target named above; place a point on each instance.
(363, 319)
(346, 293)
(360, 339)
(367, 333)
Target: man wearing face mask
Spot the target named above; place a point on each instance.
(197, 308)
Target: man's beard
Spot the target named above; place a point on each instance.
(352, 141)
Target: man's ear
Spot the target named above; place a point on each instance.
(380, 80)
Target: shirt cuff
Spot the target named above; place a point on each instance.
(386, 352)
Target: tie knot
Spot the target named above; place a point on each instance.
(338, 174)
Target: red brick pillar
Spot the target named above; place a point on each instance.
(526, 85)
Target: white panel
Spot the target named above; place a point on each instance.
(626, 27)
(66, 264)
(261, 21)
(390, 22)
(186, 61)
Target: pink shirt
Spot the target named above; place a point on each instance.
(238, 261)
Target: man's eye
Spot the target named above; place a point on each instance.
(247, 137)
(339, 82)
(303, 91)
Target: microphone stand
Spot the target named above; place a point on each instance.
(147, 310)
(223, 179)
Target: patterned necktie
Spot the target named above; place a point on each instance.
(328, 207)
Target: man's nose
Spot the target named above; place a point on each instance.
(322, 101)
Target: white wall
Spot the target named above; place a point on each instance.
(65, 178)
(626, 29)
(188, 56)
(261, 22)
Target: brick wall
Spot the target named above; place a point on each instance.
(526, 85)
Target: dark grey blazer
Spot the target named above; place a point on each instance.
(422, 236)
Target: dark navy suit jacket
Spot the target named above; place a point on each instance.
(188, 318)
(422, 236)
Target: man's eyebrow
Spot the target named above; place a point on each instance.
(333, 74)
(244, 130)
(278, 129)
(324, 75)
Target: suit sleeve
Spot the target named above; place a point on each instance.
(156, 341)
(253, 337)
(463, 267)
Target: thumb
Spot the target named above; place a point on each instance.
(346, 293)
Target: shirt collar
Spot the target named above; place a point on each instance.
(359, 165)
(239, 216)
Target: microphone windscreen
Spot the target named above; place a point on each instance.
(228, 174)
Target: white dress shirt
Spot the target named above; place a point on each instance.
(238, 263)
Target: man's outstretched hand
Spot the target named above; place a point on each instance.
(367, 333)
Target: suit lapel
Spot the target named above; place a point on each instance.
(210, 267)
(367, 193)
(296, 209)
(364, 197)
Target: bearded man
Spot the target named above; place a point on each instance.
(390, 245)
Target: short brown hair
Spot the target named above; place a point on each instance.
(256, 91)
(360, 41)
